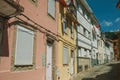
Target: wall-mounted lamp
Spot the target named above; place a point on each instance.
(118, 4)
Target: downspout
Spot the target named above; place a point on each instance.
(77, 46)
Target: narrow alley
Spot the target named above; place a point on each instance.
(109, 71)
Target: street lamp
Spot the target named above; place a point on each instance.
(118, 4)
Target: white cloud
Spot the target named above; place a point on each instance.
(117, 19)
(106, 23)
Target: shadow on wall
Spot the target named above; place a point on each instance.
(5, 45)
(114, 74)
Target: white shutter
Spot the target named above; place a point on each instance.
(64, 26)
(51, 8)
(65, 55)
(24, 46)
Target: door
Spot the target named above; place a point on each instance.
(72, 63)
(49, 61)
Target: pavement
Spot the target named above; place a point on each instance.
(109, 71)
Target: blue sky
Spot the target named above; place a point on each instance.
(107, 14)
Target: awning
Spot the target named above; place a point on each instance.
(9, 8)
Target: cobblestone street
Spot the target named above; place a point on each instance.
(109, 71)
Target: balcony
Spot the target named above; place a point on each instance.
(71, 13)
(65, 3)
(9, 8)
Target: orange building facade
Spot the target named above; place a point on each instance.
(28, 30)
(116, 50)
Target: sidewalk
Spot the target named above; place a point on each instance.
(93, 72)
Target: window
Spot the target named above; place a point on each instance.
(51, 8)
(24, 46)
(101, 43)
(72, 31)
(81, 29)
(80, 9)
(79, 52)
(84, 31)
(94, 35)
(64, 25)
(78, 29)
(65, 55)
(84, 13)
(88, 19)
(89, 35)
(86, 16)
(85, 52)
(72, 53)
(98, 42)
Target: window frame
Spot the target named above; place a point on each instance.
(64, 25)
(79, 52)
(67, 54)
(23, 67)
(23, 30)
(72, 31)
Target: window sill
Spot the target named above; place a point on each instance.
(22, 67)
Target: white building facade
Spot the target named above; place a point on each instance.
(109, 53)
(84, 35)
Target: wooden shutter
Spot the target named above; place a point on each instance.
(24, 46)
(51, 8)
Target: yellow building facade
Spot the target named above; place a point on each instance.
(67, 55)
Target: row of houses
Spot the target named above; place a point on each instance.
(49, 39)
(116, 46)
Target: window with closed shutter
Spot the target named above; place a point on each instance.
(72, 31)
(51, 8)
(64, 25)
(79, 52)
(65, 55)
(24, 46)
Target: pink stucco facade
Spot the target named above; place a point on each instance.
(38, 13)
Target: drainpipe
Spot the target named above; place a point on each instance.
(77, 46)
